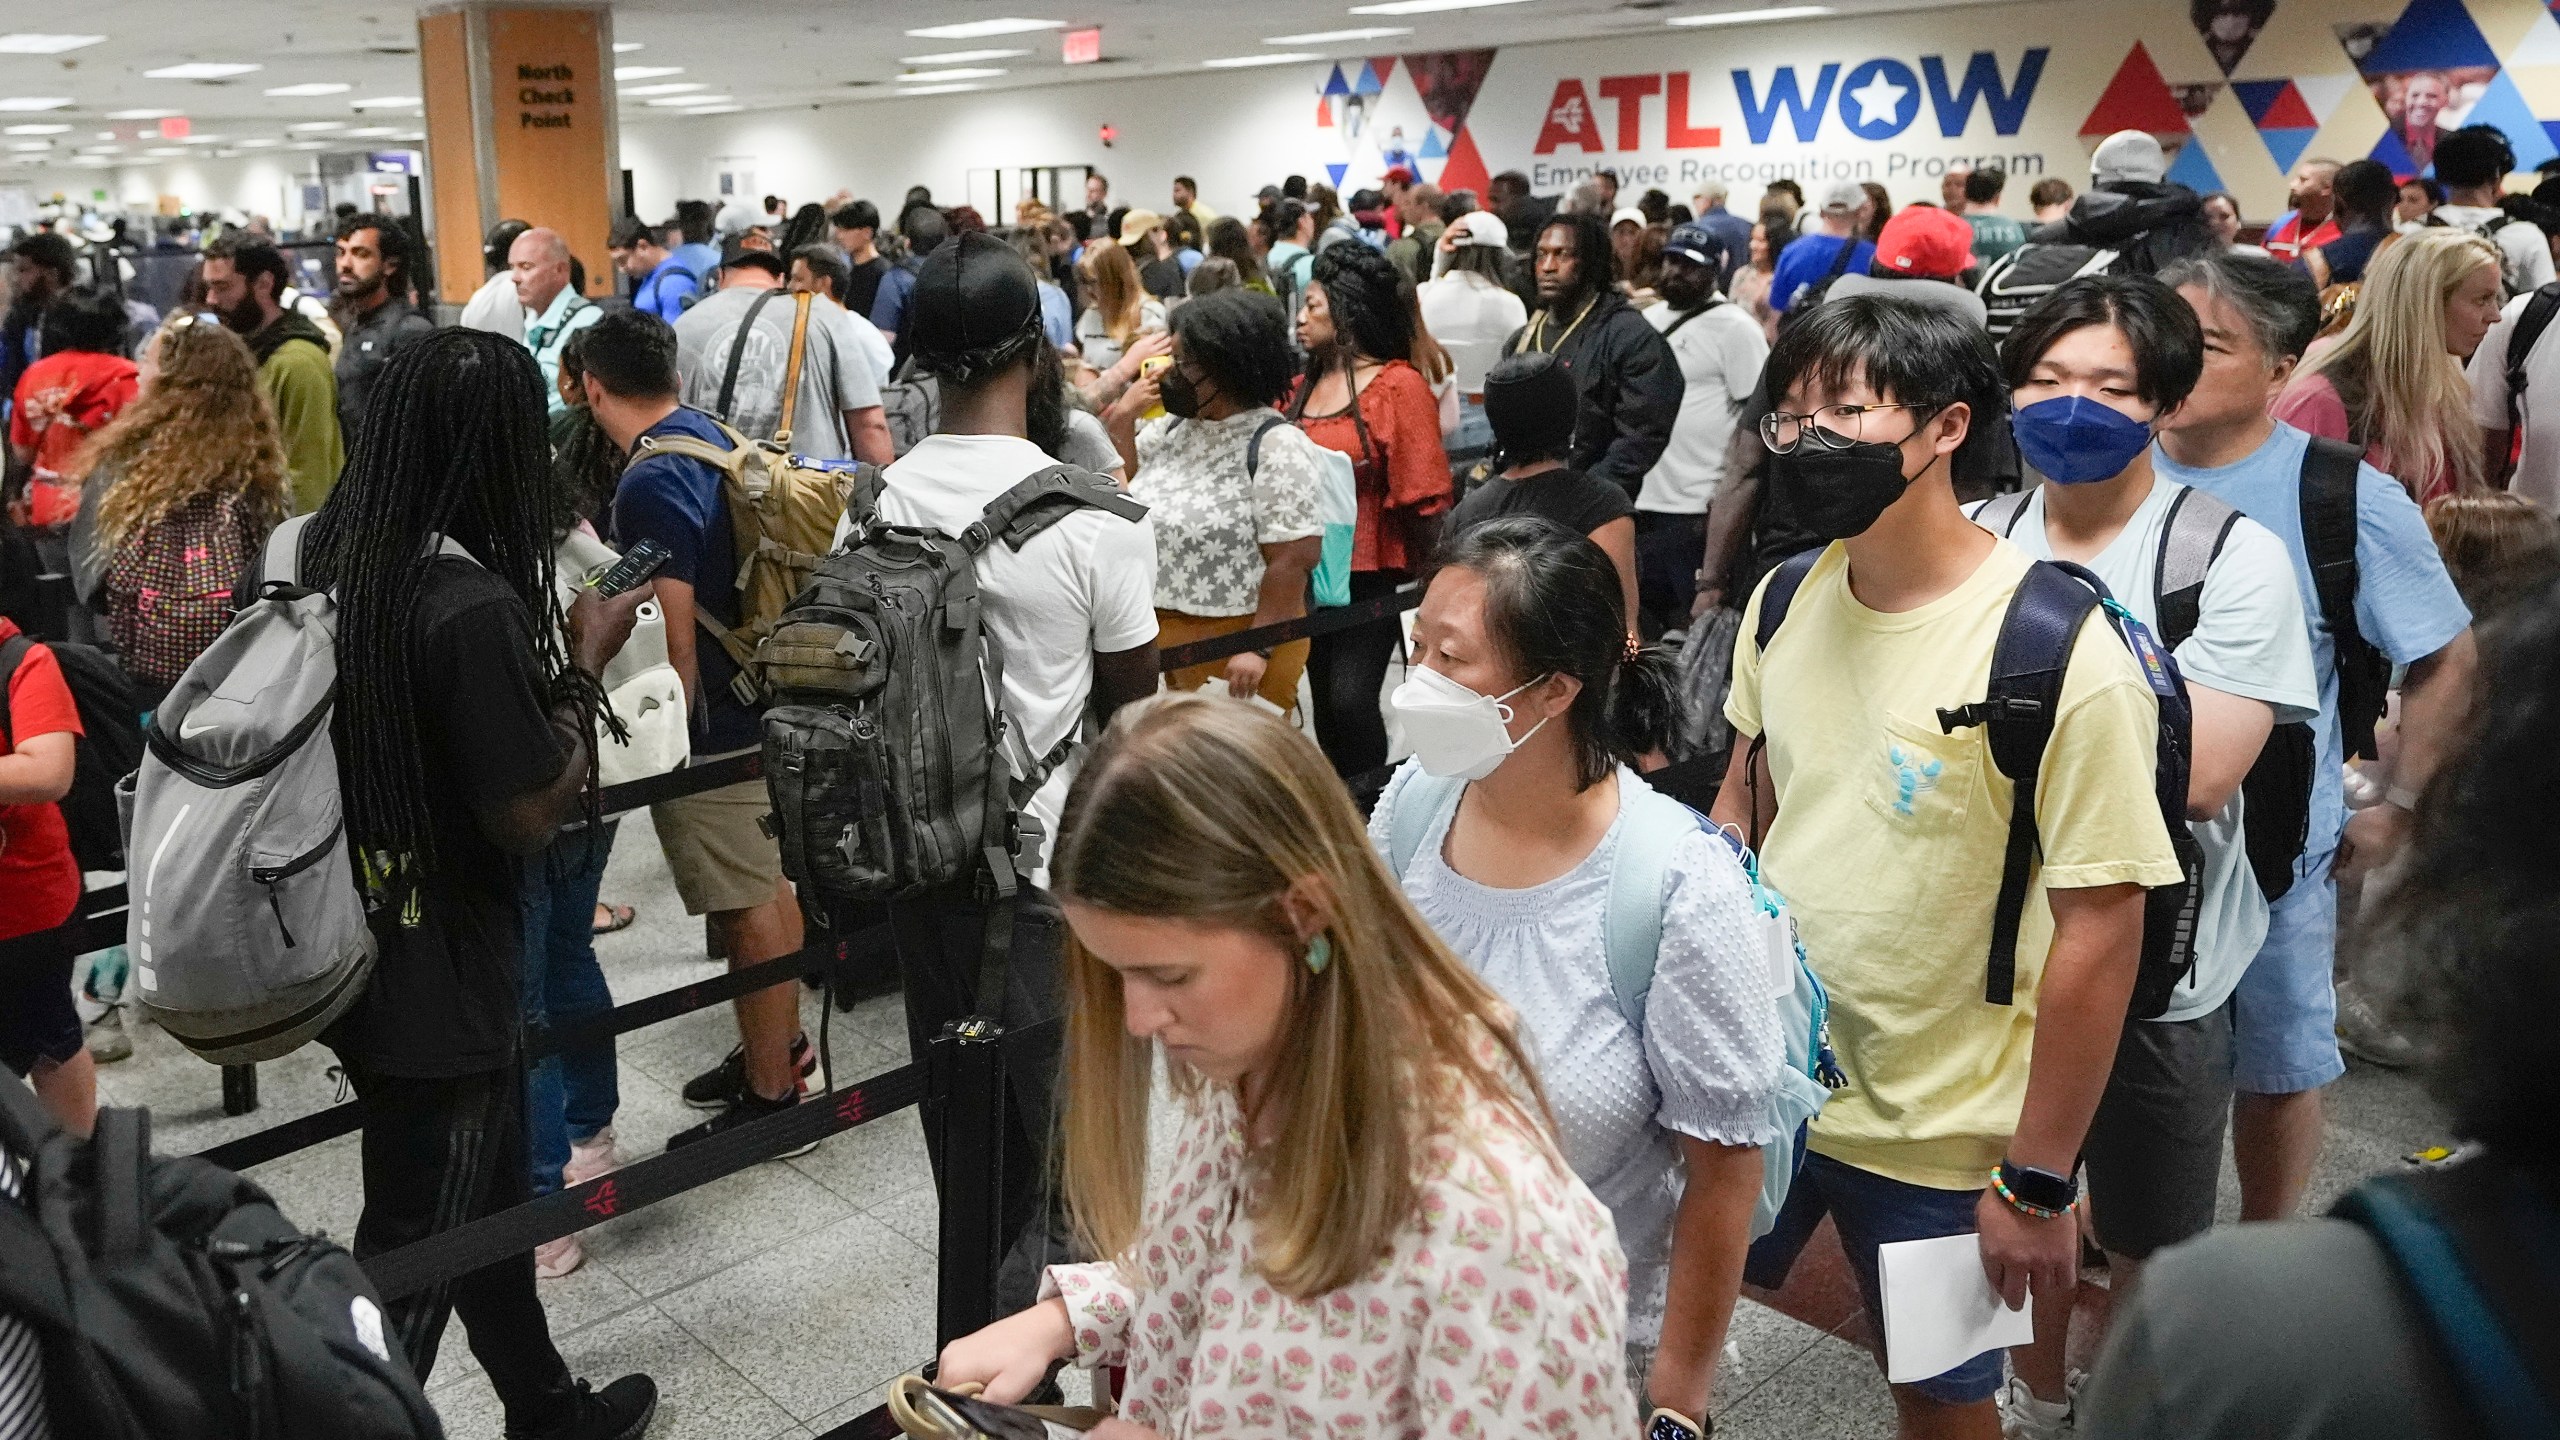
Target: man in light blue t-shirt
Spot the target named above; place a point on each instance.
(2258, 316)
(1840, 247)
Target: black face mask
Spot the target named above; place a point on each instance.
(1179, 392)
(1835, 494)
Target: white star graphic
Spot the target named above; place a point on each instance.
(1879, 100)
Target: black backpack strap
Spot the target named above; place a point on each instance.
(2018, 711)
(2474, 1246)
(120, 1152)
(10, 654)
(2191, 539)
(738, 349)
(1784, 582)
(2530, 323)
(1041, 500)
(2329, 470)
(1253, 447)
(2000, 514)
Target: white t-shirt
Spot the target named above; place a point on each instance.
(2251, 640)
(494, 308)
(1720, 352)
(2527, 265)
(1085, 585)
(2537, 475)
(1470, 316)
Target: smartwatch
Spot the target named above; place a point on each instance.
(1670, 1424)
(2041, 1189)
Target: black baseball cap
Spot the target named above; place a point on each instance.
(736, 251)
(975, 302)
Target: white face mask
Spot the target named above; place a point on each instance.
(1453, 730)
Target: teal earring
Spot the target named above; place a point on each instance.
(1319, 953)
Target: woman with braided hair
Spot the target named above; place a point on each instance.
(465, 700)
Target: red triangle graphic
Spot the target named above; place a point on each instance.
(1383, 67)
(2136, 99)
(1324, 112)
(2289, 111)
(1465, 168)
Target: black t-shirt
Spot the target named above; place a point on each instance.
(865, 286)
(1162, 278)
(445, 997)
(1568, 497)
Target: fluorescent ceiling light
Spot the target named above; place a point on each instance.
(202, 70)
(673, 87)
(308, 145)
(201, 140)
(375, 131)
(1333, 37)
(645, 72)
(960, 57)
(625, 47)
(28, 146)
(927, 77)
(981, 29)
(386, 102)
(1247, 62)
(24, 43)
(938, 89)
(319, 125)
(691, 100)
(316, 87)
(92, 160)
(1425, 7)
(163, 152)
(34, 102)
(142, 114)
(1748, 17)
(38, 129)
(259, 144)
(717, 110)
(101, 149)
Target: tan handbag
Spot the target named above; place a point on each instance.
(927, 1413)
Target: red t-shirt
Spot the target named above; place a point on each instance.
(2287, 241)
(62, 400)
(39, 881)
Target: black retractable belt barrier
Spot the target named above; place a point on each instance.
(676, 784)
(1318, 622)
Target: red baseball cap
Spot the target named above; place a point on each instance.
(1925, 240)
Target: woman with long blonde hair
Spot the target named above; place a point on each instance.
(1121, 309)
(1369, 1225)
(184, 487)
(2393, 382)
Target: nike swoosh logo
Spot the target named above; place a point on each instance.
(191, 731)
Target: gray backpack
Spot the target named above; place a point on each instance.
(884, 747)
(247, 927)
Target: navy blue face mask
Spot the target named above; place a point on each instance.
(2074, 440)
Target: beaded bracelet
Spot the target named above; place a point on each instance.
(2000, 1184)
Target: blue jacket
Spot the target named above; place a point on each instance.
(664, 292)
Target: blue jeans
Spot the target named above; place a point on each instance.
(569, 1096)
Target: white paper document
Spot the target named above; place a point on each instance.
(1940, 1309)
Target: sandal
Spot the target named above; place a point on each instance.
(614, 917)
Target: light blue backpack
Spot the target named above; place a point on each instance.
(1656, 824)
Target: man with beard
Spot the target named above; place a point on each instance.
(242, 279)
(42, 266)
(374, 315)
(1623, 369)
(1719, 348)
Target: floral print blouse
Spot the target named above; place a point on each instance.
(1497, 1311)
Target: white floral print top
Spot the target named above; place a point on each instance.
(1497, 1312)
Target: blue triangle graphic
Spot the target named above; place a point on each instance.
(2393, 156)
(1337, 172)
(2257, 97)
(2430, 35)
(1433, 147)
(1368, 83)
(2194, 170)
(1337, 85)
(2287, 145)
(2504, 106)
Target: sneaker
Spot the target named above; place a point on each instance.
(2436, 1157)
(2024, 1417)
(107, 1039)
(745, 1109)
(555, 1258)
(620, 1411)
(592, 1157)
(722, 1084)
(2363, 1033)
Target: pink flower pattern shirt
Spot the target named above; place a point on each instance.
(1498, 1311)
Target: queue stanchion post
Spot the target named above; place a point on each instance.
(239, 1089)
(967, 1107)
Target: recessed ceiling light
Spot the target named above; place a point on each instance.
(165, 151)
(1747, 17)
(410, 135)
(927, 77)
(34, 102)
(375, 132)
(92, 160)
(960, 57)
(672, 87)
(202, 70)
(29, 146)
(717, 110)
(308, 145)
(1333, 37)
(939, 89)
(645, 72)
(981, 29)
(142, 114)
(1247, 62)
(625, 47)
(689, 101)
(201, 140)
(38, 129)
(1424, 7)
(319, 125)
(316, 87)
(101, 149)
(23, 43)
(386, 102)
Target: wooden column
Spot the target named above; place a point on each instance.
(521, 126)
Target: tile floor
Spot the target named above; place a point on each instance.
(779, 1302)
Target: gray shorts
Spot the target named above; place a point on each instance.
(2155, 1148)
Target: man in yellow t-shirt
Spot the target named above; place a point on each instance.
(1886, 833)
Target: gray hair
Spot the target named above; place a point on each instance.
(2279, 303)
(1586, 199)
(1712, 191)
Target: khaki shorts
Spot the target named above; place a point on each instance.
(717, 849)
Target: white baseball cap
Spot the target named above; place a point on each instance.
(1481, 227)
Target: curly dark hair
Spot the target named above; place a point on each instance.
(1241, 337)
(1362, 295)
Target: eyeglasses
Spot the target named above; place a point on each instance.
(1833, 427)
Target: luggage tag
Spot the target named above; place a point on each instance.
(1779, 948)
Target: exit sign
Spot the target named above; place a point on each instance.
(1083, 47)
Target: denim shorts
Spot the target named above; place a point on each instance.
(2284, 1015)
(1870, 1210)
